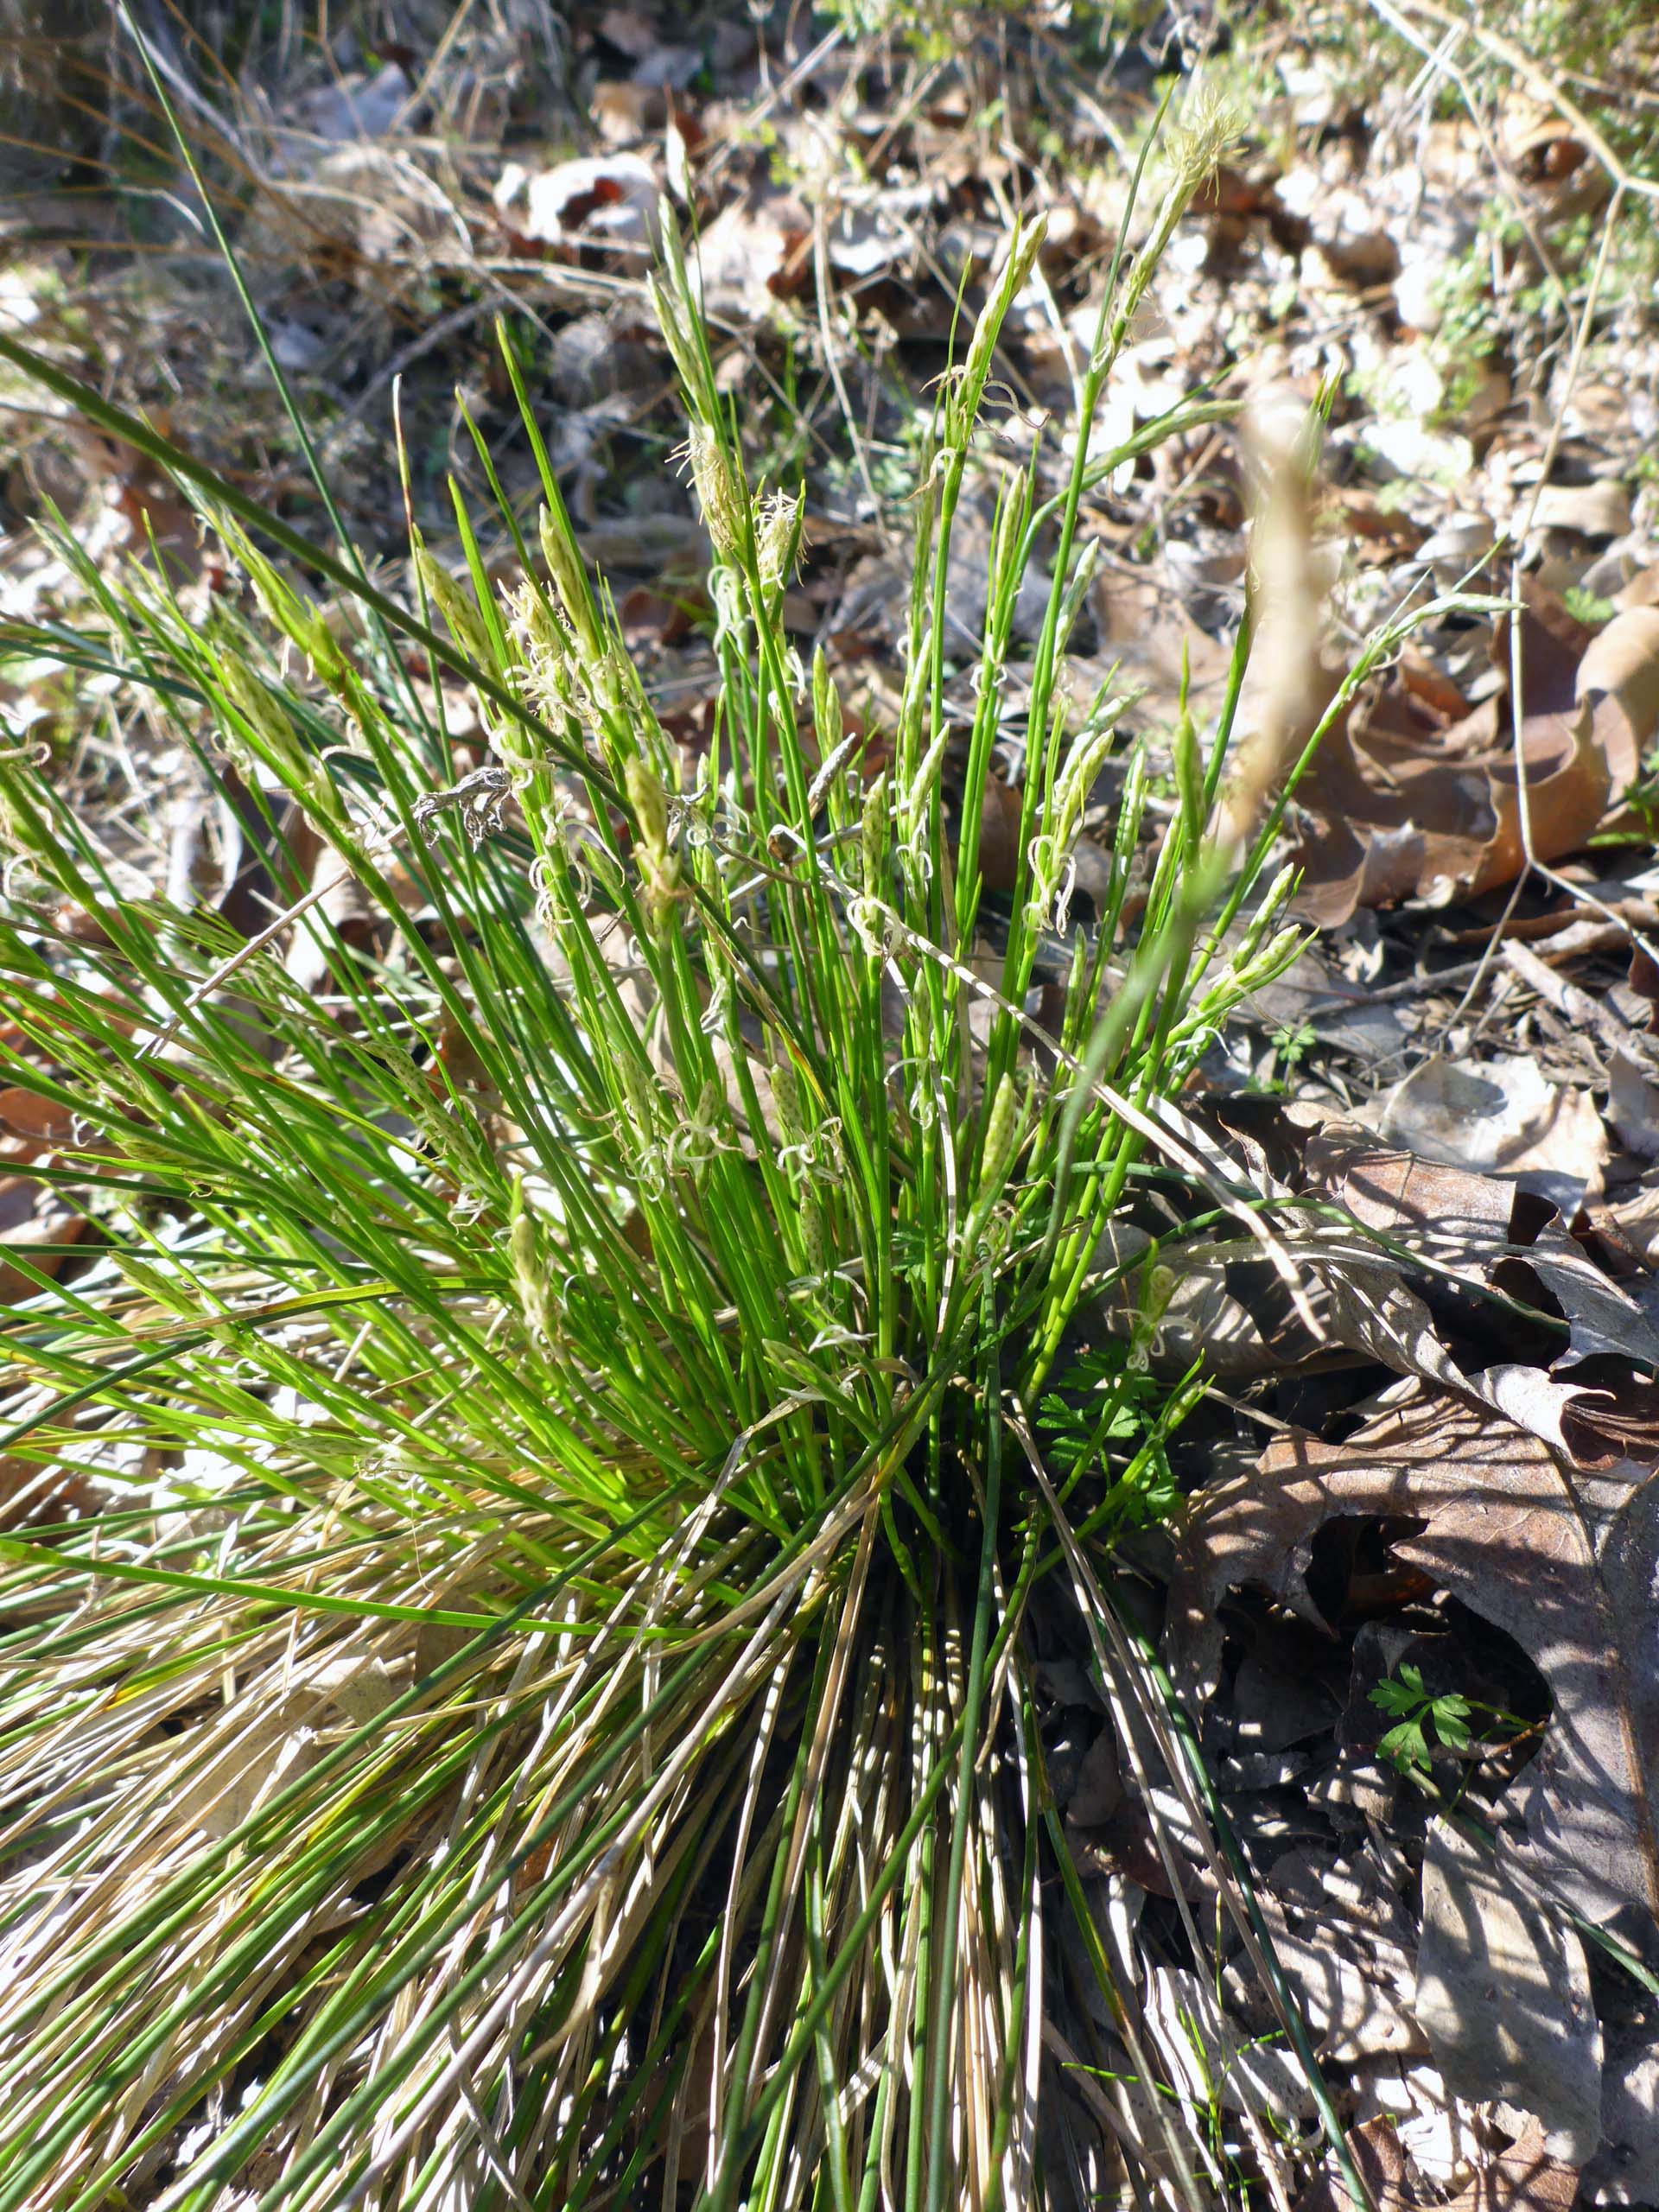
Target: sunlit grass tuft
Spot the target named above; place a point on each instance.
(535, 1702)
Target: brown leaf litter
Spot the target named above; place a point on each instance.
(1562, 1555)
(1523, 2178)
(1407, 800)
(1524, 1493)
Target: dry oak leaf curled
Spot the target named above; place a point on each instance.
(1565, 1559)
(1402, 802)
(1487, 1231)
(1525, 2178)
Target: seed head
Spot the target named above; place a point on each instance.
(1256, 928)
(873, 836)
(296, 618)
(570, 579)
(642, 1108)
(1273, 957)
(466, 624)
(649, 800)
(777, 535)
(786, 1098)
(529, 1272)
(1000, 1127)
(719, 493)
(1016, 270)
(1208, 125)
(812, 1231)
(1187, 761)
(658, 866)
(258, 708)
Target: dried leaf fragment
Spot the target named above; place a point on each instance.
(1402, 802)
(1503, 1996)
(1498, 1116)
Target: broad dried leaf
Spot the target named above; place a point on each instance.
(1468, 1222)
(1201, 1315)
(1461, 1219)
(1564, 1561)
(1351, 1984)
(257, 1760)
(1390, 823)
(257, 1755)
(1526, 2177)
(30, 1125)
(1622, 2170)
(344, 906)
(352, 107)
(1373, 1311)
(624, 112)
(1207, 2054)
(1143, 628)
(1602, 1320)
(1619, 677)
(1522, 2179)
(597, 199)
(32, 1495)
(1504, 1995)
(751, 253)
(1501, 1115)
(1633, 1098)
(1379, 2159)
(1599, 510)
(1400, 803)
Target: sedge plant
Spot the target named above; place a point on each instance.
(516, 1663)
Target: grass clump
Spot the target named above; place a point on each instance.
(522, 1690)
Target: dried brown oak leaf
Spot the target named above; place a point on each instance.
(1477, 1229)
(1504, 1995)
(1484, 1229)
(1403, 802)
(1522, 2179)
(1563, 1559)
